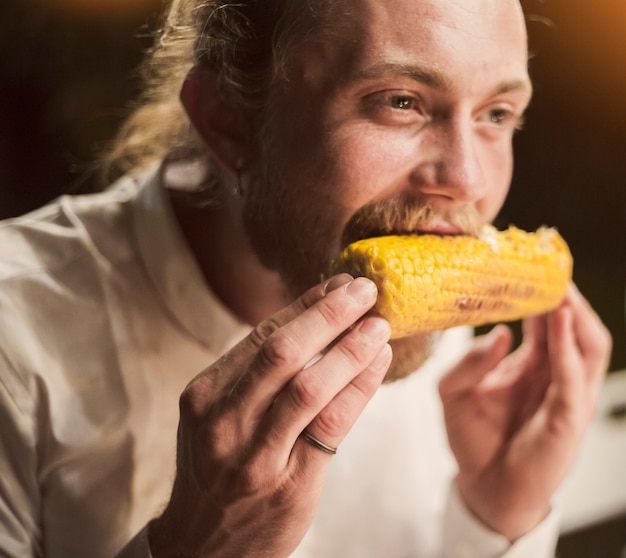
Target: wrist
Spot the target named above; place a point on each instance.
(502, 511)
(175, 535)
(162, 541)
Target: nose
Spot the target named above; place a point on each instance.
(451, 169)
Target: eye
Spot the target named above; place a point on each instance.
(401, 102)
(394, 108)
(499, 116)
(503, 117)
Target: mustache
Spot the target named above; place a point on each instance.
(408, 216)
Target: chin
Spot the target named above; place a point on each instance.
(409, 353)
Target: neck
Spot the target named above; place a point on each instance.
(220, 245)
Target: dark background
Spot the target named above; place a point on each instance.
(67, 73)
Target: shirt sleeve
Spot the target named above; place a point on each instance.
(464, 536)
(137, 547)
(20, 534)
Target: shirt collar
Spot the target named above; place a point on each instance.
(173, 269)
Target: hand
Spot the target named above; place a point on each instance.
(515, 421)
(247, 482)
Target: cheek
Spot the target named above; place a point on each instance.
(498, 167)
(335, 174)
(368, 166)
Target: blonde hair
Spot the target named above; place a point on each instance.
(243, 41)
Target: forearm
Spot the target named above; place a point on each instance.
(463, 534)
(512, 512)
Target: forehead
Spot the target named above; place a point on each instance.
(453, 39)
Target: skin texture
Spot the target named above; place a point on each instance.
(515, 421)
(247, 484)
(405, 115)
(413, 104)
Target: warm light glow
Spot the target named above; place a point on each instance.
(589, 39)
(100, 9)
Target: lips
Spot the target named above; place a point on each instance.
(442, 229)
(403, 217)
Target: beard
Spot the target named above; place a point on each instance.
(295, 229)
(407, 216)
(291, 225)
(409, 353)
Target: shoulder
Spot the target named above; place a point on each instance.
(61, 232)
(53, 264)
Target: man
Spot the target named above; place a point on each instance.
(315, 124)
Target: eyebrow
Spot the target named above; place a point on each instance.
(433, 78)
(430, 77)
(513, 86)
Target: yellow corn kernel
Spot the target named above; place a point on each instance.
(431, 282)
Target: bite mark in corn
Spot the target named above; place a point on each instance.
(430, 282)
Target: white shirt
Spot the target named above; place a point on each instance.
(104, 318)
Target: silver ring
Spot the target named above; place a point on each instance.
(319, 445)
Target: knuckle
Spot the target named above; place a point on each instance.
(280, 349)
(607, 340)
(199, 394)
(309, 298)
(251, 477)
(305, 390)
(276, 347)
(263, 331)
(352, 351)
(190, 401)
(331, 421)
(259, 472)
(333, 314)
(217, 438)
(218, 429)
(366, 384)
(210, 428)
(600, 352)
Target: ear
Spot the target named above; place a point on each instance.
(222, 126)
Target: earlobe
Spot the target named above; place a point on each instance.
(222, 126)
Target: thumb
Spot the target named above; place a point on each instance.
(486, 352)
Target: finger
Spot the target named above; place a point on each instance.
(591, 334)
(533, 351)
(534, 331)
(357, 354)
(570, 397)
(231, 367)
(287, 350)
(579, 350)
(485, 354)
(333, 423)
(221, 379)
(563, 352)
(267, 327)
(533, 371)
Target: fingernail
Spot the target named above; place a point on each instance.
(362, 290)
(375, 328)
(336, 282)
(382, 359)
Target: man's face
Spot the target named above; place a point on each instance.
(408, 103)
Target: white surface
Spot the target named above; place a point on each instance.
(596, 488)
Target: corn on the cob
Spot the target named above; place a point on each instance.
(430, 282)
